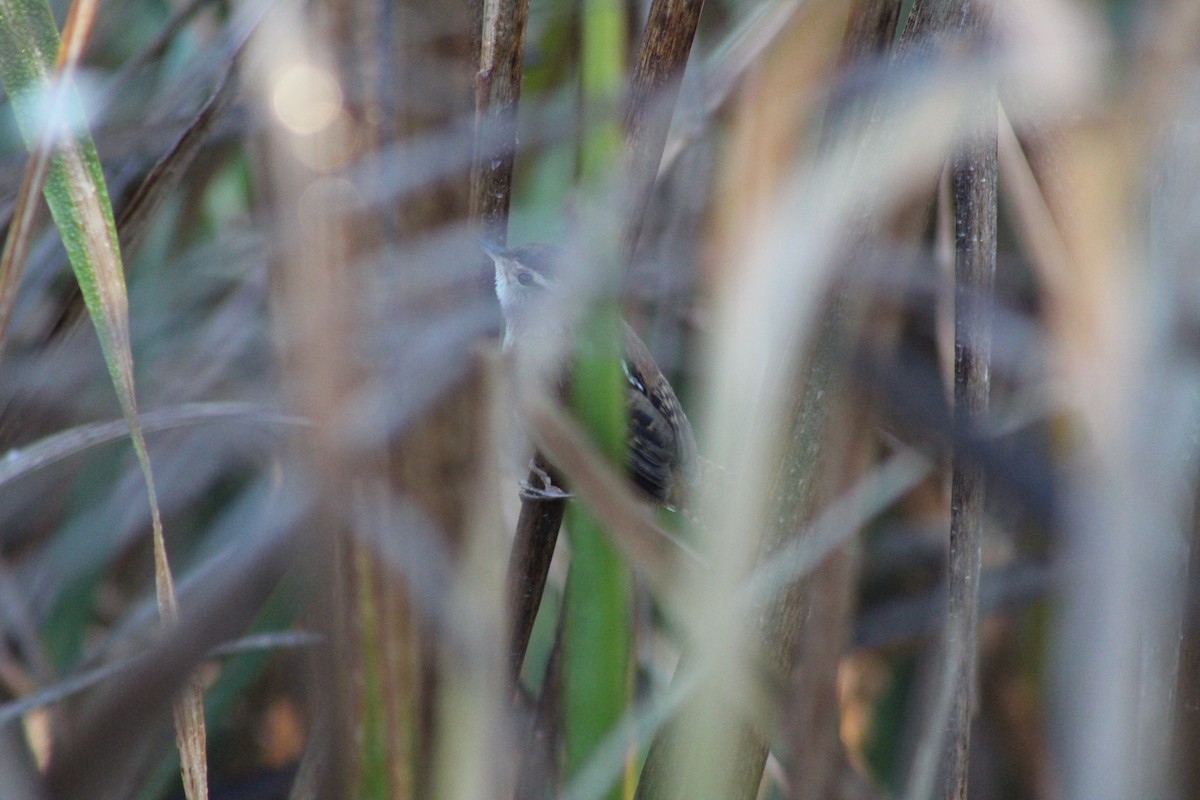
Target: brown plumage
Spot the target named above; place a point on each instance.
(660, 453)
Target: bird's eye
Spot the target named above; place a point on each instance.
(525, 278)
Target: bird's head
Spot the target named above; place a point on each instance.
(523, 276)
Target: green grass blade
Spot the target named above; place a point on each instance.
(596, 630)
(597, 625)
(602, 75)
(78, 199)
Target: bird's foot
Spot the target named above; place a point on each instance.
(547, 491)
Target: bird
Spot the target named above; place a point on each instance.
(660, 449)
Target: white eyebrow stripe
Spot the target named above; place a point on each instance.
(637, 384)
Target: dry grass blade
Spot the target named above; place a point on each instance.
(1114, 188)
(837, 523)
(64, 689)
(715, 749)
(745, 48)
(923, 780)
(314, 762)
(192, 137)
(97, 757)
(819, 586)
(169, 169)
(46, 451)
(20, 236)
(1034, 221)
(190, 734)
(916, 619)
(179, 18)
(605, 765)
(876, 183)
(19, 778)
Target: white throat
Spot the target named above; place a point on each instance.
(519, 303)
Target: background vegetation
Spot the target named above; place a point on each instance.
(921, 272)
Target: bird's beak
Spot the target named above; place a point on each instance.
(494, 251)
(500, 258)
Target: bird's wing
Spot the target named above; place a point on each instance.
(649, 450)
(667, 446)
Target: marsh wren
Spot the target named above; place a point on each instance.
(660, 451)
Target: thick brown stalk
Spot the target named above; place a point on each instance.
(932, 23)
(666, 44)
(869, 32)
(529, 564)
(497, 97)
(497, 94)
(973, 178)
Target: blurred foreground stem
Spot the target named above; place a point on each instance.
(596, 624)
(596, 648)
